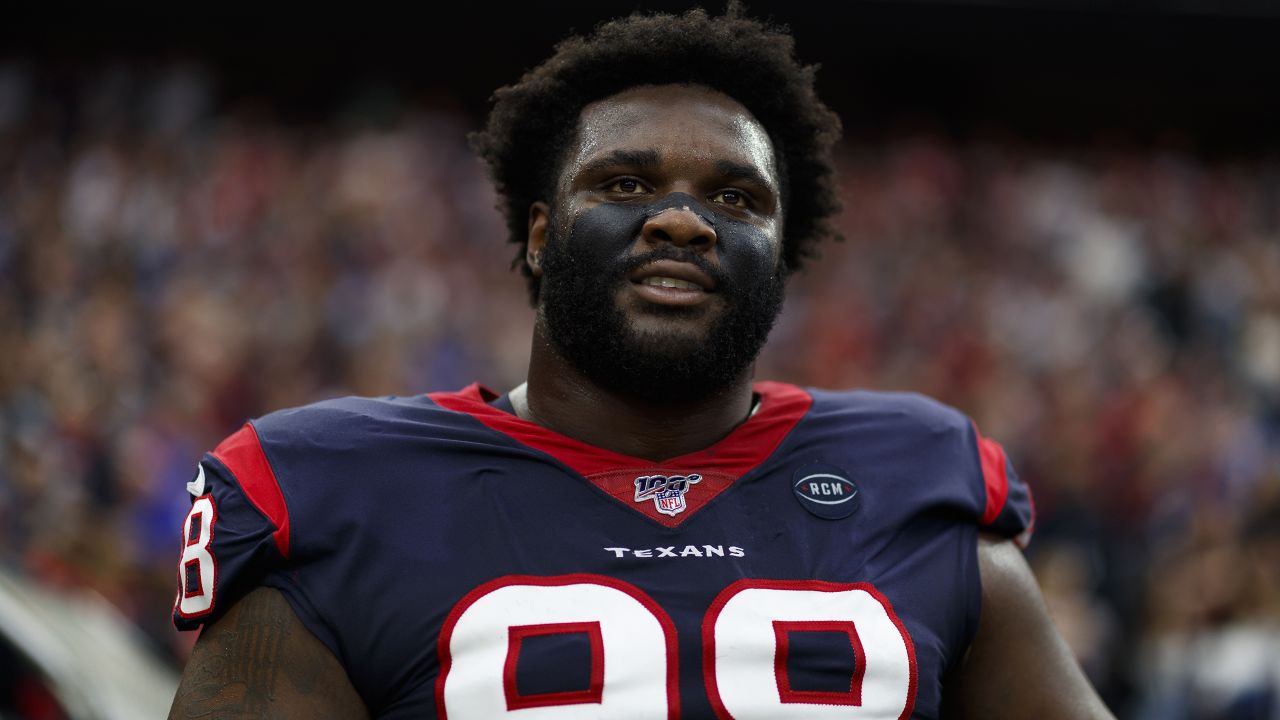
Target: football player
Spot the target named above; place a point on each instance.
(640, 530)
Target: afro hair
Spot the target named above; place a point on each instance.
(533, 122)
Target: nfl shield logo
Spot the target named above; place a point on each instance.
(670, 502)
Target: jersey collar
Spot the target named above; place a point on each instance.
(781, 407)
(747, 446)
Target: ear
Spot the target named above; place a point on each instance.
(539, 218)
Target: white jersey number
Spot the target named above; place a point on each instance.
(633, 650)
(197, 571)
(632, 640)
(747, 632)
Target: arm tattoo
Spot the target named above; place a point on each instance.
(258, 661)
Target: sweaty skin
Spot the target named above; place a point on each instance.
(639, 146)
(259, 661)
(739, 296)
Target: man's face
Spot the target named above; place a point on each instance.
(660, 263)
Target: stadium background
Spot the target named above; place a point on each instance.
(1061, 217)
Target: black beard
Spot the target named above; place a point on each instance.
(586, 326)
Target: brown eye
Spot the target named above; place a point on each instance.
(626, 186)
(733, 198)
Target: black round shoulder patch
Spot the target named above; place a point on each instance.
(826, 491)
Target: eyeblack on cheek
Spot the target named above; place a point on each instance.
(744, 248)
(605, 232)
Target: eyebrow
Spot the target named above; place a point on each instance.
(738, 171)
(644, 159)
(631, 158)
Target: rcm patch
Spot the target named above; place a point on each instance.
(826, 491)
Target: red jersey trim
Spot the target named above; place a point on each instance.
(994, 478)
(782, 630)
(592, 694)
(781, 407)
(242, 454)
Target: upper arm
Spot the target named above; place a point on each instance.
(259, 661)
(1018, 666)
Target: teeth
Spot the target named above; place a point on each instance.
(667, 282)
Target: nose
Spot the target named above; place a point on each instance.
(679, 226)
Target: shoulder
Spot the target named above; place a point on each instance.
(891, 412)
(344, 417)
(366, 423)
(318, 449)
(322, 427)
(915, 438)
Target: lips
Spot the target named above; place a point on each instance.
(667, 282)
(673, 275)
(672, 283)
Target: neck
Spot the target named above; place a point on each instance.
(560, 398)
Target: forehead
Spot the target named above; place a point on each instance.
(679, 122)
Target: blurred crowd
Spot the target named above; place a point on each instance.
(171, 265)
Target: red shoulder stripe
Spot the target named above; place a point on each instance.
(993, 477)
(242, 453)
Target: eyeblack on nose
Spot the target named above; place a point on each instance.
(679, 226)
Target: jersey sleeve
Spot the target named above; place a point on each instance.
(236, 532)
(1009, 509)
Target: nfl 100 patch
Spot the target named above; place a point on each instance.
(826, 490)
(666, 491)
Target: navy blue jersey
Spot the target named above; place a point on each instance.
(819, 561)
